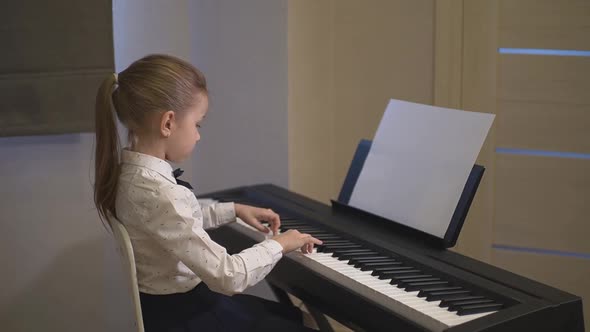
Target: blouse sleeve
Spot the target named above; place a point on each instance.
(178, 228)
(218, 214)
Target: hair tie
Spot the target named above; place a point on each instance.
(116, 85)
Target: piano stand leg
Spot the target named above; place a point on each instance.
(319, 317)
(281, 295)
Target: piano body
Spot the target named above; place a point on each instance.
(373, 274)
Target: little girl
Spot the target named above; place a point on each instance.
(186, 280)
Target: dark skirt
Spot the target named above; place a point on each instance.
(204, 310)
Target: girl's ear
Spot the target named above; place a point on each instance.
(167, 123)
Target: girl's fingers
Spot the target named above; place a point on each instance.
(306, 248)
(308, 242)
(256, 224)
(273, 219)
(312, 240)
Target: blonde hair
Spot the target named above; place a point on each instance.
(154, 83)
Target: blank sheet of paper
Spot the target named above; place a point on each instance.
(418, 164)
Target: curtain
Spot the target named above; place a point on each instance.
(53, 57)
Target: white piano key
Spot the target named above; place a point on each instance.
(408, 298)
(383, 286)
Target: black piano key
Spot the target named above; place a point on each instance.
(296, 222)
(308, 228)
(359, 251)
(337, 247)
(392, 262)
(393, 267)
(397, 266)
(328, 237)
(399, 278)
(345, 246)
(341, 252)
(292, 220)
(373, 265)
(347, 257)
(314, 234)
(451, 299)
(417, 286)
(379, 270)
(478, 308)
(406, 282)
(368, 259)
(328, 243)
(334, 248)
(356, 262)
(323, 245)
(318, 234)
(337, 252)
(427, 291)
(419, 274)
(420, 279)
(348, 248)
(293, 223)
(299, 227)
(285, 228)
(320, 248)
(286, 218)
(397, 270)
(390, 274)
(456, 305)
(313, 231)
(335, 242)
(382, 263)
(434, 296)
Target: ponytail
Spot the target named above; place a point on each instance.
(151, 84)
(106, 161)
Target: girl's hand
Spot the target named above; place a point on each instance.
(253, 216)
(293, 239)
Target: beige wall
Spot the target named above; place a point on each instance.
(346, 60)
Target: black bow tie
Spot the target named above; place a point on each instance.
(177, 173)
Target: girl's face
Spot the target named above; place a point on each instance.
(185, 135)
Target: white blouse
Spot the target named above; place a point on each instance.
(166, 224)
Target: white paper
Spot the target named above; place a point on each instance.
(418, 164)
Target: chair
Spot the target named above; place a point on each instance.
(125, 249)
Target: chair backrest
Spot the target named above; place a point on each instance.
(125, 249)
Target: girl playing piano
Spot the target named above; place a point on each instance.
(186, 280)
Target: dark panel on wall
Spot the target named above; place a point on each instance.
(54, 56)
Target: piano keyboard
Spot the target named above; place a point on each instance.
(424, 297)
